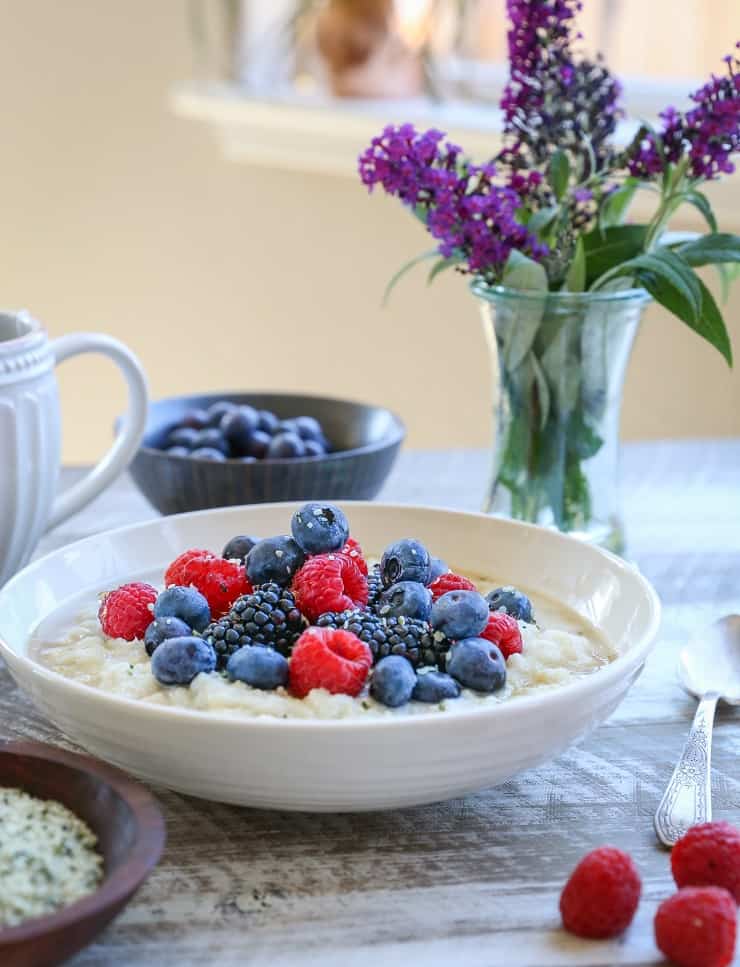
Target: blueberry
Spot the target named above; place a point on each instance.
(197, 419)
(477, 664)
(178, 451)
(267, 422)
(258, 666)
(406, 560)
(188, 604)
(308, 428)
(438, 569)
(285, 446)
(212, 439)
(178, 660)
(162, 628)
(274, 559)
(434, 687)
(460, 614)
(314, 449)
(320, 528)
(246, 459)
(407, 599)
(259, 444)
(238, 427)
(183, 436)
(207, 453)
(513, 602)
(238, 548)
(217, 411)
(393, 681)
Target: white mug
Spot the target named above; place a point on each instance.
(30, 437)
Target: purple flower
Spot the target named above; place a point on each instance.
(708, 134)
(473, 219)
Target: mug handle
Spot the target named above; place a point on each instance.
(132, 428)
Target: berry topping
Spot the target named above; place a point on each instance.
(335, 660)
(477, 664)
(259, 667)
(450, 582)
(178, 660)
(434, 686)
(220, 582)
(407, 599)
(512, 602)
(438, 568)
(460, 614)
(406, 560)
(188, 604)
(352, 549)
(238, 548)
(374, 586)
(601, 896)
(696, 927)
(393, 681)
(708, 855)
(504, 631)
(162, 628)
(412, 639)
(127, 611)
(320, 528)
(329, 582)
(275, 559)
(267, 616)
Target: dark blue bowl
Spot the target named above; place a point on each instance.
(365, 443)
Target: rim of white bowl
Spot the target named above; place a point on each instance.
(598, 680)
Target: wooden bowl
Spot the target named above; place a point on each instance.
(131, 834)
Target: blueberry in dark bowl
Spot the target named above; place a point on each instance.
(237, 428)
(267, 421)
(183, 436)
(286, 445)
(314, 449)
(217, 411)
(178, 451)
(207, 453)
(213, 439)
(196, 419)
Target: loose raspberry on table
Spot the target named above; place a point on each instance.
(708, 855)
(127, 611)
(504, 631)
(329, 582)
(352, 549)
(602, 894)
(332, 659)
(220, 582)
(696, 927)
(450, 582)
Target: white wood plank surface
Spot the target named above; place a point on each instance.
(474, 881)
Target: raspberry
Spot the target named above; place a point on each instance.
(220, 582)
(127, 611)
(324, 658)
(696, 927)
(601, 896)
(352, 549)
(708, 855)
(329, 582)
(503, 630)
(450, 582)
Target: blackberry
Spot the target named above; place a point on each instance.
(409, 637)
(266, 617)
(374, 586)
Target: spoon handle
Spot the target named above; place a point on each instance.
(688, 798)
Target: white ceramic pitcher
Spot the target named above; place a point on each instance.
(30, 437)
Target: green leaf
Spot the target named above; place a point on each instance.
(541, 221)
(701, 202)
(711, 249)
(441, 266)
(615, 206)
(670, 281)
(610, 248)
(559, 173)
(395, 279)
(711, 324)
(728, 273)
(522, 272)
(575, 280)
(543, 389)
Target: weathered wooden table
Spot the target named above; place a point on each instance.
(475, 881)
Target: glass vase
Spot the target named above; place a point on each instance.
(559, 361)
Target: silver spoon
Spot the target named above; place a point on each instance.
(709, 669)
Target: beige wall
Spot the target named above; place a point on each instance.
(116, 216)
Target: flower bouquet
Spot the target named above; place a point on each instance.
(561, 273)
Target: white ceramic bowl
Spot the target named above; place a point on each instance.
(325, 765)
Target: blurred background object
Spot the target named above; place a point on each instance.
(121, 214)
